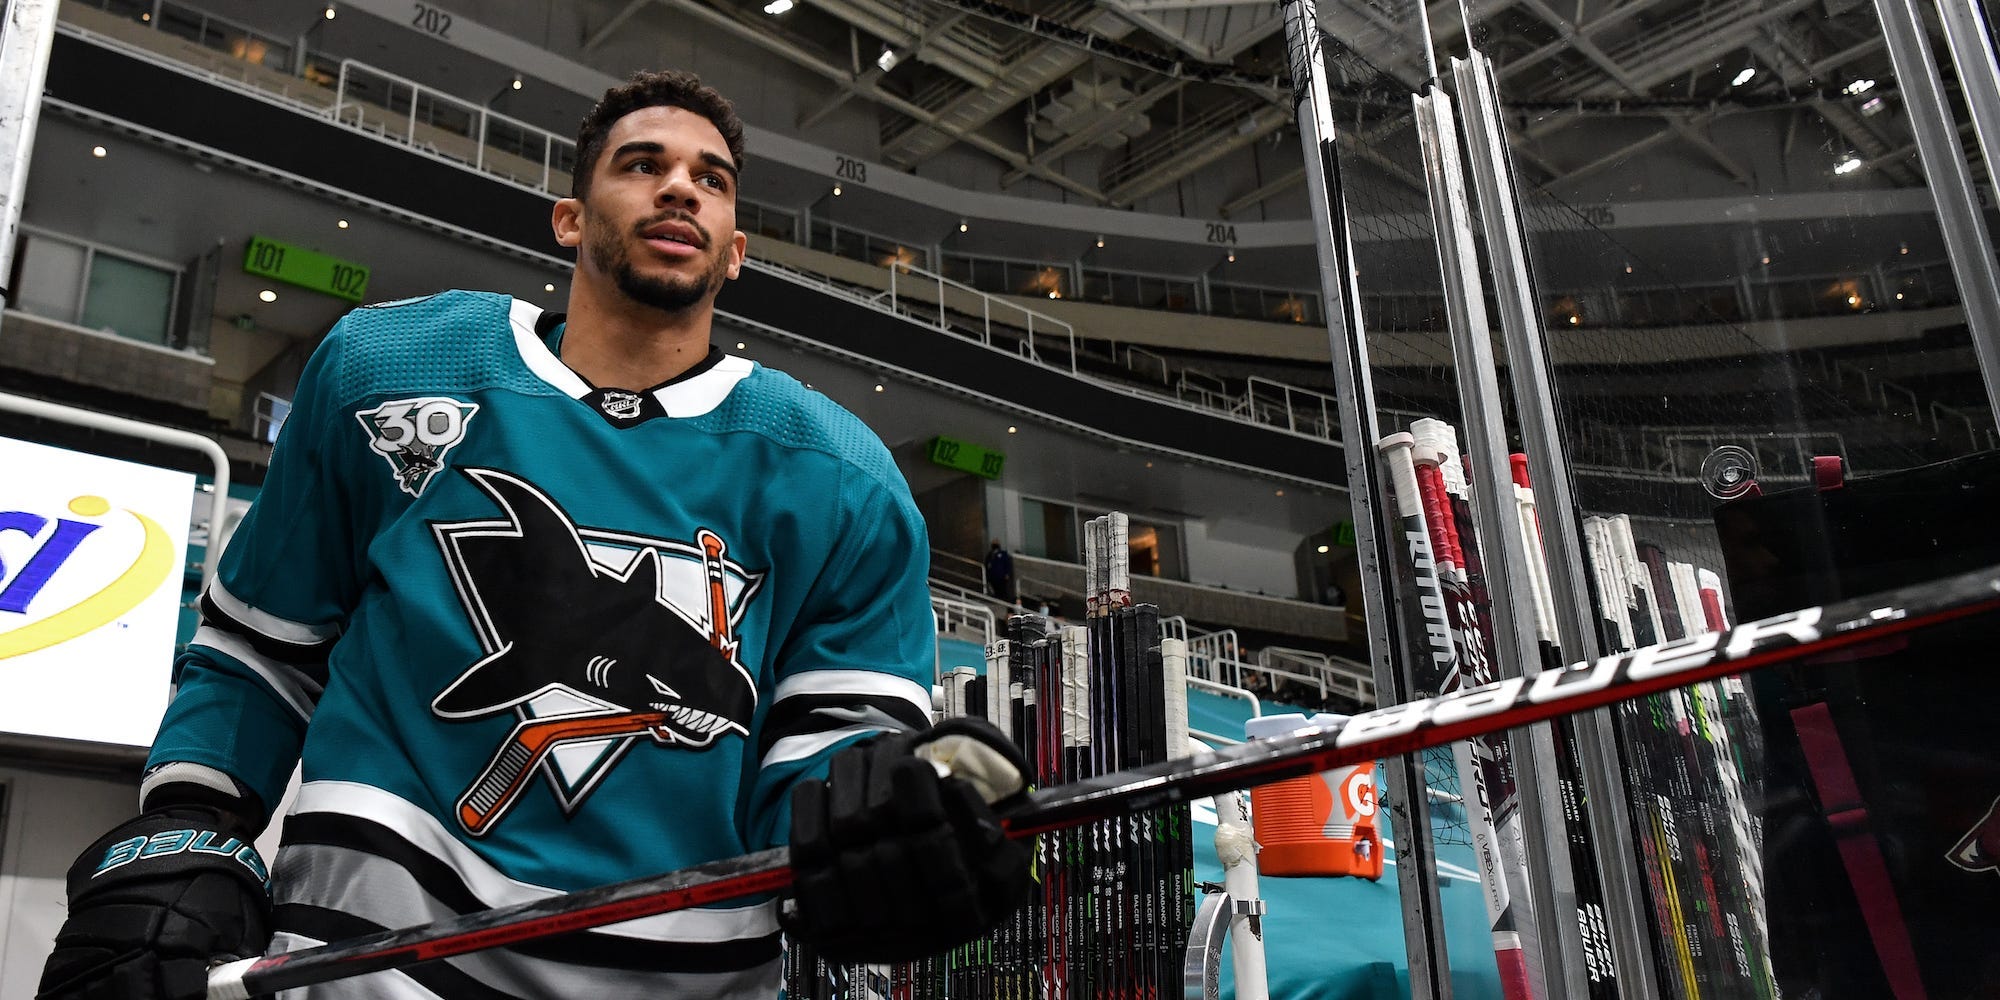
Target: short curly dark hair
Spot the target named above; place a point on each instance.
(660, 88)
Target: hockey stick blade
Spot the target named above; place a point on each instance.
(1383, 732)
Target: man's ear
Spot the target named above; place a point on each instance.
(566, 218)
(738, 244)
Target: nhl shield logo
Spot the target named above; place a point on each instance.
(413, 435)
(620, 403)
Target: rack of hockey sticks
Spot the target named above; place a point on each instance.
(1114, 900)
(1689, 756)
(1686, 753)
(1795, 638)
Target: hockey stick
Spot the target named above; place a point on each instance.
(1424, 520)
(1395, 729)
(506, 775)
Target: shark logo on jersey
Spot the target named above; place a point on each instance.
(1979, 849)
(413, 435)
(594, 639)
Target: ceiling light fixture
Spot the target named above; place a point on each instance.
(1744, 77)
(329, 12)
(961, 225)
(1903, 249)
(739, 345)
(1575, 320)
(888, 59)
(878, 387)
(776, 7)
(268, 295)
(1767, 259)
(549, 287)
(1232, 256)
(1872, 106)
(517, 83)
(1011, 428)
(1859, 87)
(1281, 492)
(1100, 243)
(1899, 296)
(1322, 550)
(341, 223)
(836, 190)
(146, 16)
(1847, 166)
(97, 151)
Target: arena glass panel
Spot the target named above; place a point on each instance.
(1765, 373)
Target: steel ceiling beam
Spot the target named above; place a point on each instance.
(808, 61)
(936, 48)
(617, 21)
(1106, 122)
(1777, 50)
(1625, 80)
(1041, 65)
(1198, 151)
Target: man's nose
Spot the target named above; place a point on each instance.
(678, 189)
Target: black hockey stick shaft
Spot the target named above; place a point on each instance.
(1395, 729)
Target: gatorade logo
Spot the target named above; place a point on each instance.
(38, 550)
(1359, 793)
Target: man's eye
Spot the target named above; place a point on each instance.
(643, 165)
(715, 181)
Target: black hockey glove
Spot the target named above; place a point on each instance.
(153, 903)
(892, 862)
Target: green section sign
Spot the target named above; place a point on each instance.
(967, 457)
(295, 265)
(1343, 533)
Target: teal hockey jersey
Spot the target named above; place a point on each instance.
(528, 636)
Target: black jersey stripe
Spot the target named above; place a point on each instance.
(307, 658)
(322, 924)
(444, 884)
(805, 714)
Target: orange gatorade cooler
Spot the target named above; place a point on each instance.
(1319, 824)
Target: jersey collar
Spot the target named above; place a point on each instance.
(697, 392)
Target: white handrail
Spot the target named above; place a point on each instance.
(986, 304)
(1231, 690)
(218, 503)
(482, 117)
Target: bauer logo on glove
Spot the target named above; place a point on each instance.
(167, 843)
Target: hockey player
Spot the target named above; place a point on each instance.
(543, 602)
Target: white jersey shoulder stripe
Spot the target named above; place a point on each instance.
(808, 744)
(496, 889)
(267, 624)
(182, 772)
(705, 391)
(294, 688)
(862, 682)
(536, 354)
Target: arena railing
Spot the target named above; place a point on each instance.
(545, 169)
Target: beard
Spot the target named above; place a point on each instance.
(613, 255)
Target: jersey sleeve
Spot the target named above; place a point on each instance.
(860, 659)
(247, 683)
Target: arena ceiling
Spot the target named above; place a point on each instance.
(1169, 87)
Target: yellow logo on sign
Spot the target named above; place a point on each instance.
(153, 565)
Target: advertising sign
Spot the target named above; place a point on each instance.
(91, 554)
